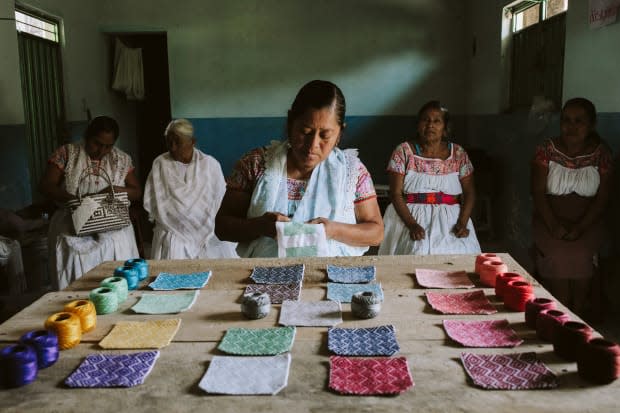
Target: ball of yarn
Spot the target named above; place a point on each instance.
(67, 327)
(130, 274)
(19, 365)
(489, 270)
(568, 337)
(256, 305)
(516, 294)
(118, 285)
(546, 321)
(365, 304)
(45, 344)
(86, 311)
(598, 361)
(104, 299)
(535, 306)
(141, 265)
(502, 280)
(485, 257)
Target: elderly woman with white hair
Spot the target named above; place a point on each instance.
(182, 196)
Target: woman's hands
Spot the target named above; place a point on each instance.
(267, 223)
(416, 232)
(460, 231)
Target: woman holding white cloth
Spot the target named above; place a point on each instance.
(182, 195)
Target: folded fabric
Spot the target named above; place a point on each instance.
(297, 239)
(369, 376)
(113, 370)
(246, 375)
(277, 292)
(193, 281)
(351, 274)
(442, 279)
(165, 303)
(344, 292)
(490, 333)
(257, 341)
(474, 302)
(316, 313)
(290, 274)
(521, 371)
(141, 334)
(373, 341)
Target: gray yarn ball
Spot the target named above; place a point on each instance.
(365, 304)
(256, 305)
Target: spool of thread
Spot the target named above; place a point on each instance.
(502, 280)
(516, 294)
(546, 321)
(130, 274)
(256, 305)
(19, 365)
(535, 306)
(67, 327)
(568, 337)
(105, 300)
(45, 344)
(489, 270)
(598, 361)
(365, 304)
(86, 311)
(485, 257)
(141, 265)
(118, 285)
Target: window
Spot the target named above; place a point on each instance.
(36, 26)
(529, 12)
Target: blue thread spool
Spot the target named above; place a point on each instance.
(141, 265)
(19, 365)
(130, 274)
(45, 343)
(118, 285)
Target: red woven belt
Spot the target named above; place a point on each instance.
(431, 198)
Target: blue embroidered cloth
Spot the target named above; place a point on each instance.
(290, 274)
(344, 292)
(373, 341)
(193, 281)
(351, 274)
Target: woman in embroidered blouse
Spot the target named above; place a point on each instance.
(571, 177)
(304, 179)
(432, 192)
(72, 256)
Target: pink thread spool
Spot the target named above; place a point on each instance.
(546, 321)
(489, 270)
(535, 306)
(502, 280)
(485, 257)
(568, 337)
(598, 361)
(516, 294)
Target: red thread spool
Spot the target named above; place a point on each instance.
(489, 270)
(546, 321)
(598, 361)
(535, 306)
(516, 294)
(568, 337)
(502, 280)
(485, 257)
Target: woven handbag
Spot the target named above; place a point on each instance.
(92, 214)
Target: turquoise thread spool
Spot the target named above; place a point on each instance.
(118, 285)
(141, 265)
(130, 274)
(105, 300)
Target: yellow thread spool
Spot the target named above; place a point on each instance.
(86, 311)
(67, 327)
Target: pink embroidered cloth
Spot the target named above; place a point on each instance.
(491, 333)
(520, 371)
(369, 376)
(442, 279)
(474, 302)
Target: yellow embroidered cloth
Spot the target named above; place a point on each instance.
(141, 334)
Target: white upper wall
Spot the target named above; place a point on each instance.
(11, 105)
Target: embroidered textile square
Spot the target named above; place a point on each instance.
(165, 303)
(369, 376)
(490, 333)
(296, 239)
(442, 279)
(373, 341)
(315, 313)
(351, 274)
(141, 334)
(291, 274)
(277, 292)
(474, 302)
(194, 281)
(344, 292)
(257, 341)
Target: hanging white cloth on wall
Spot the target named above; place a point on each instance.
(128, 71)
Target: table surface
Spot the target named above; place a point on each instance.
(441, 383)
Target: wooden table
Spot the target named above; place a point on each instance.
(441, 383)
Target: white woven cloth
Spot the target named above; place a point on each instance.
(183, 202)
(310, 314)
(11, 264)
(128, 71)
(296, 239)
